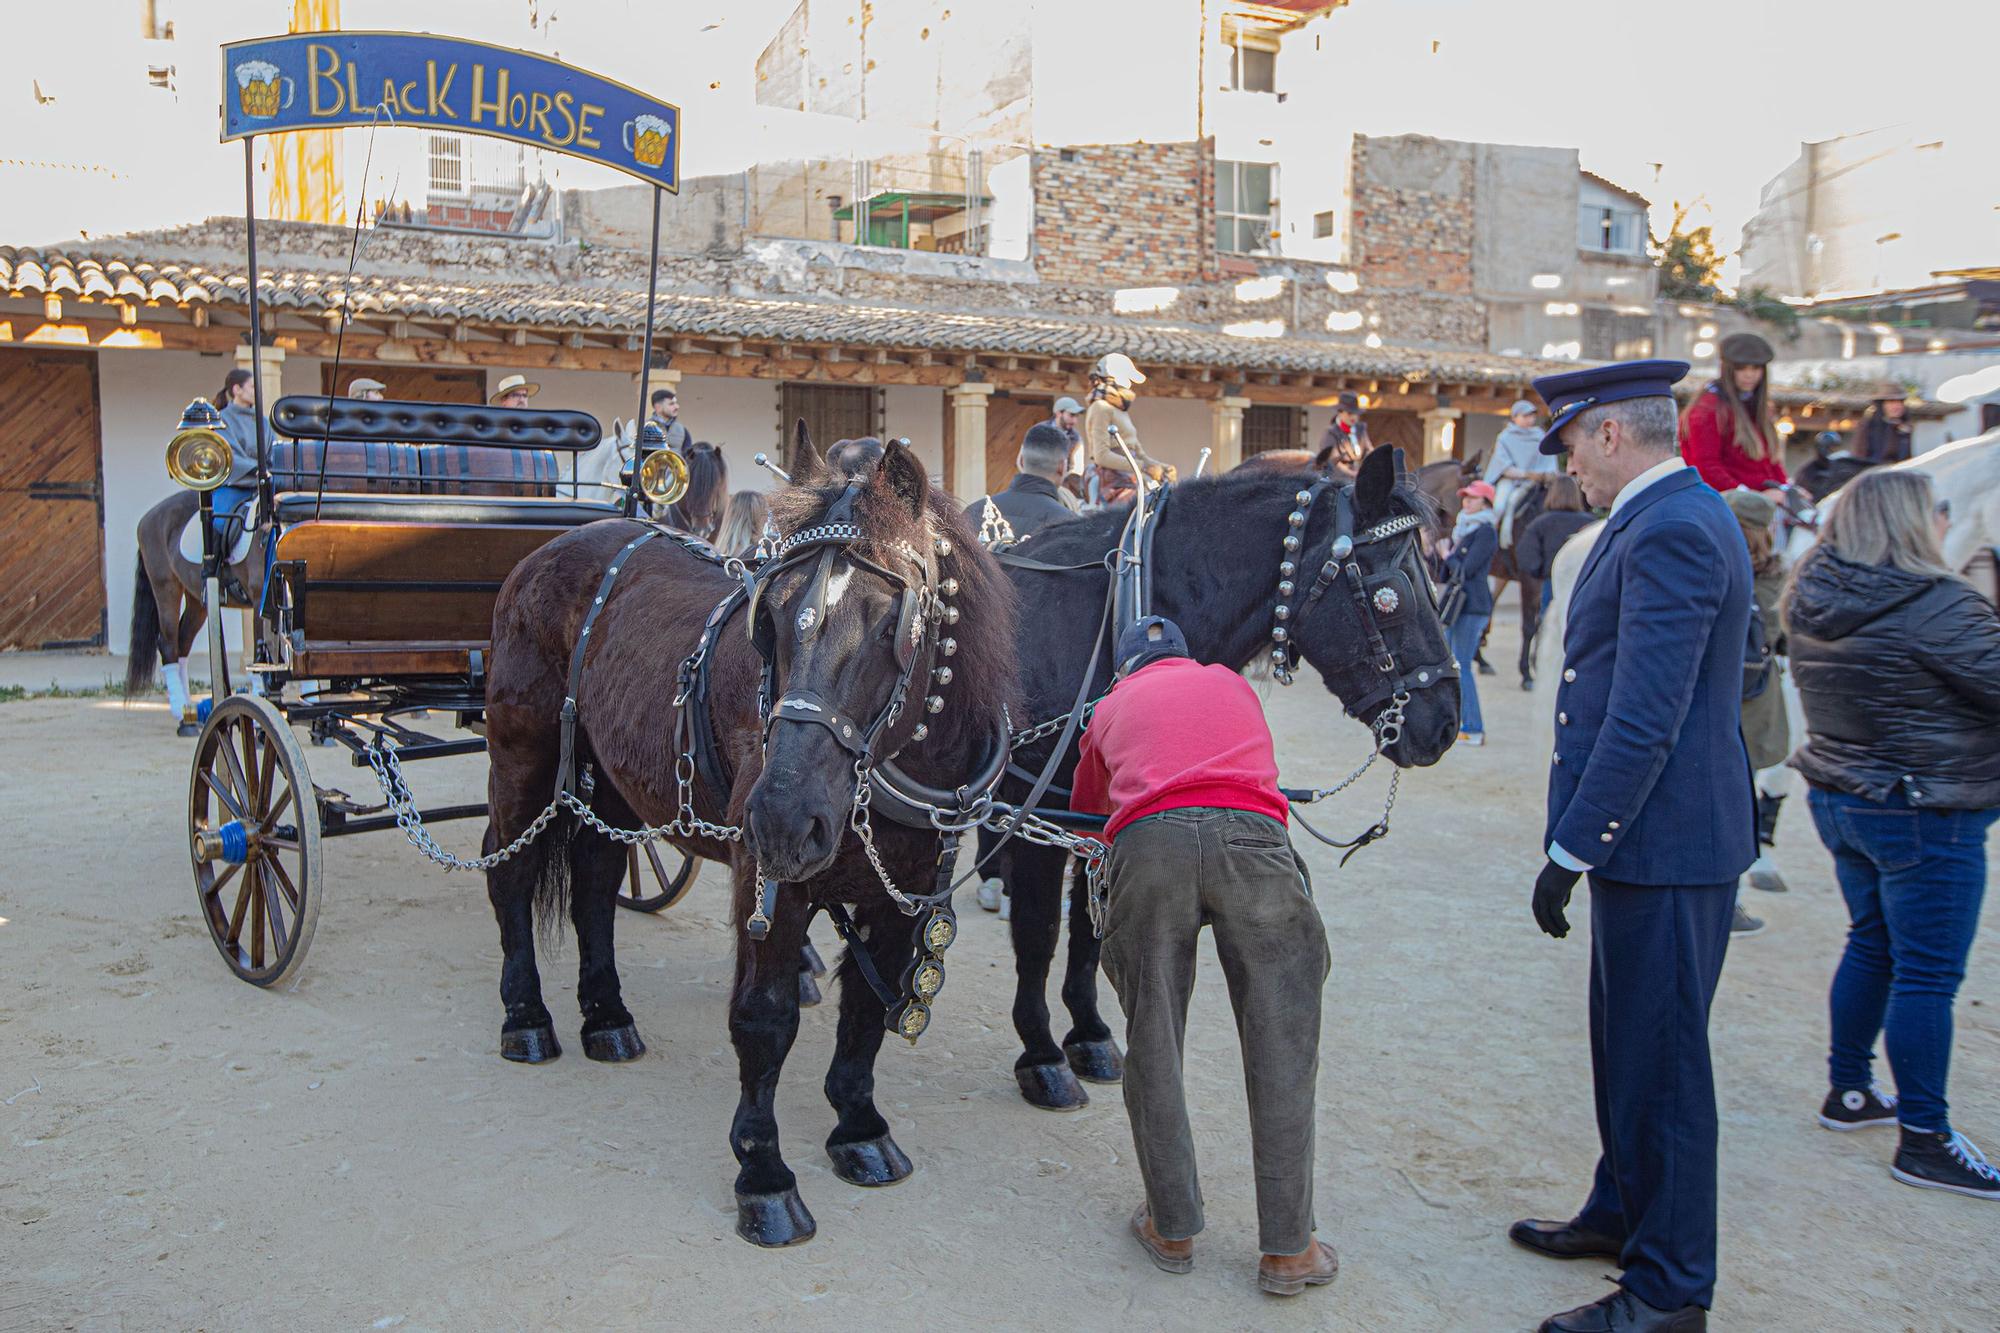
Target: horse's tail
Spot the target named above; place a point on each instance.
(144, 647)
(551, 855)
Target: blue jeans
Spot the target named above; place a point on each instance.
(1465, 635)
(224, 503)
(1913, 880)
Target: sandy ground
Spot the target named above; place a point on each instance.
(183, 1151)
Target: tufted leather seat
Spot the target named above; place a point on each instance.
(521, 511)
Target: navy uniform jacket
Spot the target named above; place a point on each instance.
(1650, 782)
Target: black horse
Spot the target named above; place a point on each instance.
(895, 582)
(1216, 571)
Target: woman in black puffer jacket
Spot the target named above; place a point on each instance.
(1897, 661)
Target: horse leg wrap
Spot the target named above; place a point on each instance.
(175, 675)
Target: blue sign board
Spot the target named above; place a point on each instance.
(322, 80)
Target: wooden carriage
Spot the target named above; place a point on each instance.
(395, 525)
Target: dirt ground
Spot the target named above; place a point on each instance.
(183, 1151)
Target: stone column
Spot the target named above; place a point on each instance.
(968, 435)
(1440, 430)
(273, 371)
(1225, 417)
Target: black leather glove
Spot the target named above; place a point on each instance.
(1552, 890)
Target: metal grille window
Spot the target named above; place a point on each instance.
(1245, 207)
(447, 164)
(1271, 427)
(831, 412)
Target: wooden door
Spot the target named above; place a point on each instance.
(1007, 422)
(417, 384)
(51, 502)
(1405, 430)
(832, 412)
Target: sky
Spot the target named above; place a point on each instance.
(1718, 93)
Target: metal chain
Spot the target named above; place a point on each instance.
(1043, 730)
(396, 791)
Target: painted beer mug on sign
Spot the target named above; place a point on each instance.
(261, 91)
(646, 138)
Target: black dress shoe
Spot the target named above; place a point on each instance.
(1622, 1312)
(1562, 1240)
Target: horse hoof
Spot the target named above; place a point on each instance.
(1528, 684)
(1051, 1087)
(530, 1046)
(188, 730)
(774, 1220)
(870, 1163)
(614, 1045)
(813, 960)
(1096, 1061)
(809, 994)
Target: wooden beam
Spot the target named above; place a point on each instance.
(573, 339)
(517, 338)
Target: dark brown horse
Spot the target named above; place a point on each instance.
(834, 639)
(167, 605)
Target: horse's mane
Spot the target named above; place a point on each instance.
(983, 670)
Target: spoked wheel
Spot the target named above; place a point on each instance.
(253, 837)
(650, 886)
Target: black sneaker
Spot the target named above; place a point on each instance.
(1858, 1108)
(1947, 1161)
(1744, 923)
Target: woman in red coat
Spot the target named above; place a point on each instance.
(1727, 433)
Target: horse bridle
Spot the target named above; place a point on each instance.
(1384, 599)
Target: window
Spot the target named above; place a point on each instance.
(447, 164)
(831, 412)
(1323, 225)
(1609, 231)
(1252, 69)
(1268, 427)
(1245, 207)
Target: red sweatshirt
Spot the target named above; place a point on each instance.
(1177, 734)
(1708, 444)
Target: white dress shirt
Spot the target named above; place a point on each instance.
(1652, 476)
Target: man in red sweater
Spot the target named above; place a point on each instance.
(1179, 757)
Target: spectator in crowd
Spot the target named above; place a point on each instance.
(849, 458)
(1767, 734)
(1198, 838)
(1345, 440)
(514, 391)
(699, 511)
(743, 523)
(367, 390)
(1897, 661)
(1517, 456)
(1563, 516)
(1068, 419)
(1468, 561)
(1727, 433)
(1034, 498)
(667, 411)
(1884, 433)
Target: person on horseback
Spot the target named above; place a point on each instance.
(1345, 441)
(1198, 838)
(1517, 457)
(1728, 434)
(238, 402)
(1107, 425)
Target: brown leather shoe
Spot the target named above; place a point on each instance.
(1290, 1274)
(1170, 1256)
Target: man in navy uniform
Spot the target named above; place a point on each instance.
(1649, 793)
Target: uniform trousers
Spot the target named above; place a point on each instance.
(1169, 875)
(1655, 958)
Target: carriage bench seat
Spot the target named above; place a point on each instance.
(385, 585)
(522, 511)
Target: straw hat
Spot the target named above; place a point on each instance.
(511, 383)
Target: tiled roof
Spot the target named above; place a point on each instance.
(806, 321)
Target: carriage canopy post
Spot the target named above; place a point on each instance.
(645, 359)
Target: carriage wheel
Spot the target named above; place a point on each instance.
(254, 840)
(648, 885)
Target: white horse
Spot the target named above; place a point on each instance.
(597, 471)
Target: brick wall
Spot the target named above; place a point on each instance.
(1413, 221)
(1124, 215)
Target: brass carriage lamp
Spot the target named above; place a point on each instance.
(198, 457)
(663, 473)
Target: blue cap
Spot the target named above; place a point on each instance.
(1147, 642)
(1572, 391)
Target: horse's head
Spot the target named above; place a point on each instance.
(1360, 607)
(856, 617)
